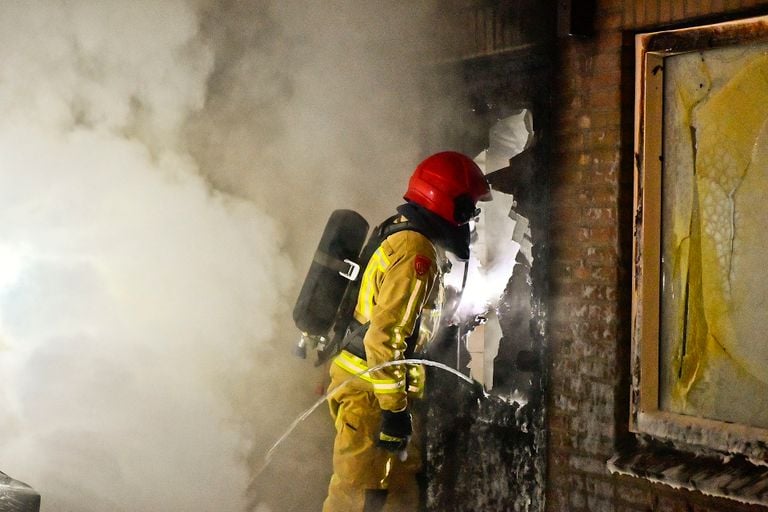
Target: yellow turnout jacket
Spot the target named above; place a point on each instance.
(401, 285)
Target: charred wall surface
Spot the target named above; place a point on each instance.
(489, 452)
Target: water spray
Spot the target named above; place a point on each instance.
(321, 400)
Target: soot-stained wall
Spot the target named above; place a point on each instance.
(489, 452)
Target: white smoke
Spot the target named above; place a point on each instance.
(131, 292)
(331, 99)
(499, 233)
(162, 164)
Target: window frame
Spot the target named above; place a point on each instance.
(645, 416)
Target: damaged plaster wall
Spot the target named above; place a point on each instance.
(501, 250)
(486, 452)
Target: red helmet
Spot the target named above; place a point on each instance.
(449, 184)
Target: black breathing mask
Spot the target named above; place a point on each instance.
(452, 238)
(464, 209)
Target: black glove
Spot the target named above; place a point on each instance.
(477, 390)
(395, 430)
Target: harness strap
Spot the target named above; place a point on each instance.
(353, 341)
(345, 322)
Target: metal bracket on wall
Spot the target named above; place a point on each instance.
(575, 18)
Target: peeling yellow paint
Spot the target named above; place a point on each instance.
(717, 238)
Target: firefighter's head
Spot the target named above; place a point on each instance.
(449, 184)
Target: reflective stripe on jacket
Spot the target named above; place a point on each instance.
(398, 281)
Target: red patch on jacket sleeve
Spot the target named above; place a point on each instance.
(422, 264)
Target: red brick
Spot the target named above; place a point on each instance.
(573, 86)
(608, 138)
(595, 254)
(597, 175)
(605, 119)
(598, 195)
(651, 13)
(587, 424)
(628, 507)
(598, 369)
(678, 9)
(567, 253)
(604, 66)
(594, 335)
(609, 22)
(606, 161)
(557, 499)
(609, 79)
(634, 491)
(605, 99)
(611, 6)
(609, 42)
(600, 487)
(608, 274)
(588, 291)
(488, 28)
(566, 125)
(599, 216)
(596, 234)
(581, 273)
(565, 195)
(639, 15)
(566, 403)
(562, 270)
(588, 465)
(569, 50)
(560, 440)
(569, 215)
(577, 500)
(665, 11)
(557, 422)
(571, 141)
(671, 504)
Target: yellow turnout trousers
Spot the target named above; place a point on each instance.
(366, 477)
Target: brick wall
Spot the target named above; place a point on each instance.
(590, 232)
(484, 28)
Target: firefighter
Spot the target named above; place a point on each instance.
(376, 456)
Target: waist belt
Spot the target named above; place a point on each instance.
(353, 340)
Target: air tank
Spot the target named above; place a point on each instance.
(334, 266)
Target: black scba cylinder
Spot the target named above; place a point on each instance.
(324, 287)
(17, 496)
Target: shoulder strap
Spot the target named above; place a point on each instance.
(349, 301)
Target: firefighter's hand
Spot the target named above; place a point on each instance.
(477, 391)
(395, 430)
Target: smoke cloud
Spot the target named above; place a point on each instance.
(324, 101)
(165, 171)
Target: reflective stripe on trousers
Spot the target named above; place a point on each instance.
(358, 465)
